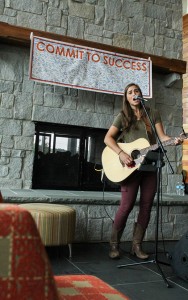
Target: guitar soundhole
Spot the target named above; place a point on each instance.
(135, 154)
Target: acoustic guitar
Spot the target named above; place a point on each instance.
(112, 166)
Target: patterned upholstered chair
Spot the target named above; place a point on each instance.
(25, 271)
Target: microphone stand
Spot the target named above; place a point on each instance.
(159, 164)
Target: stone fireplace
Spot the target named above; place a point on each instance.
(68, 157)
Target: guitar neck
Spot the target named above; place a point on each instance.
(156, 146)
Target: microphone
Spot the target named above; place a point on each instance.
(136, 97)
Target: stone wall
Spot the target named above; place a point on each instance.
(150, 26)
(95, 213)
(94, 222)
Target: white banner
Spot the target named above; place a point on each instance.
(80, 67)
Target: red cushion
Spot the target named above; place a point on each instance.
(82, 287)
(25, 271)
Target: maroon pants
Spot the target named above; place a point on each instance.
(147, 182)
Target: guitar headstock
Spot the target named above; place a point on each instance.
(183, 136)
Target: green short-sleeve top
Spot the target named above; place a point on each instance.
(142, 131)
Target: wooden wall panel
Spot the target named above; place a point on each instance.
(185, 95)
(20, 36)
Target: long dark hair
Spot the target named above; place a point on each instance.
(128, 117)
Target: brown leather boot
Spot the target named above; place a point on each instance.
(114, 252)
(138, 235)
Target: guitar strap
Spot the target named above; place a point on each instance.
(120, 137)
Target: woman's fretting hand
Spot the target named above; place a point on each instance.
(178, 141)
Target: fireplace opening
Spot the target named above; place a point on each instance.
(69, 157)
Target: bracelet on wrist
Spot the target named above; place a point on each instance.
(120, 152)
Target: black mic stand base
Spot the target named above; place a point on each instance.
(153, 261)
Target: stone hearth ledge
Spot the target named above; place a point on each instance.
(79, 197)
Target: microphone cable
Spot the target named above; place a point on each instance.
(103, 180)
(103, 189)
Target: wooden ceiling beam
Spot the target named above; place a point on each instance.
(20, 36)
